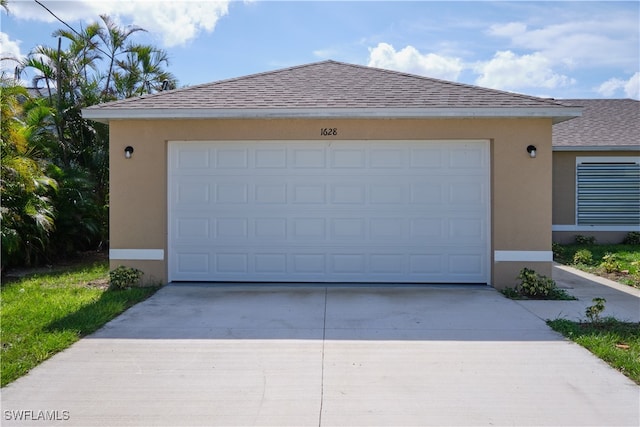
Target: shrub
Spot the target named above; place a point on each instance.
(610, 263)
(585, 240)
(583, 256)
(535, 285)
(510, 293)
(558, 250)
(124, 277)
(593, 311)
(632, 238)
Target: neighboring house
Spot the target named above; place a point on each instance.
(332, 172)
(596, 171)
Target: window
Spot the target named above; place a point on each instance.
(608, 191)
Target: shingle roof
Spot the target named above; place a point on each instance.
(610, 123)
(327, 85)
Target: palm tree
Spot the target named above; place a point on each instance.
(83, 47)
(27, 212)
(99, 64)
(142, 71)
(114, 39)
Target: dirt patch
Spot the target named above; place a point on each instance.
(99, 284)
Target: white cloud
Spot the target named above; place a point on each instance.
(512, 29)
(632, 87)
(410, 60)
(615, 87)
(175, 22)
(609, 41)
(9, 53)
(610, 87)
(508, 71)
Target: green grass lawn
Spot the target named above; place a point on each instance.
(627, 257)
(615, 342)
(43, 314)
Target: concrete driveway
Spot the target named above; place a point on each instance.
(315, 356)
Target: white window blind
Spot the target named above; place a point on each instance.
(608, 193)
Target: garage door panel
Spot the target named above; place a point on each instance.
(193, 228)
(356, 211)
(466, 264)
(468, 157)
(193, 263)
(348, 158)
(386, 228)
(346, 263)
(260, 264)
(270, 228)
(388, 158)
(426, 193)
(274, 263)
(268, 194)
(313, 229)
(232, 158)
(426, 158)
(353, 193)
(461, 230)
(270, 158)
(232, 228)
(304, 263)
(194, 157)
(195, 192)
(465, 193)
(309, 193)
(230, 193)
(308, 158)
(232, 262)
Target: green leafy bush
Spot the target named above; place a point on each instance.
(593, 311)
(535, 285)
(632, 238)
(558, 250)
(610, 263)
(583, 256)
(585, 240)
(124, 277)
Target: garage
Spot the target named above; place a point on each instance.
(331, 173)
(329, 211)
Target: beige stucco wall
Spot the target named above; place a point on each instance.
(564, 195)
(521, 186)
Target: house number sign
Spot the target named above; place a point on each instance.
(329, 131)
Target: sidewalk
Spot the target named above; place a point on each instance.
(623, 302)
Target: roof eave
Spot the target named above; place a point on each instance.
(558, 114)
(596, 148)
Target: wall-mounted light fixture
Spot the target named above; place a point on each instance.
(532, 151)
(128, 151)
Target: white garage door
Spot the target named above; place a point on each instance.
(339, 211)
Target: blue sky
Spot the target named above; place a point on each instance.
(560, 49)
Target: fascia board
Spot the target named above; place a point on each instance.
(597, 148)
(557, 114)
